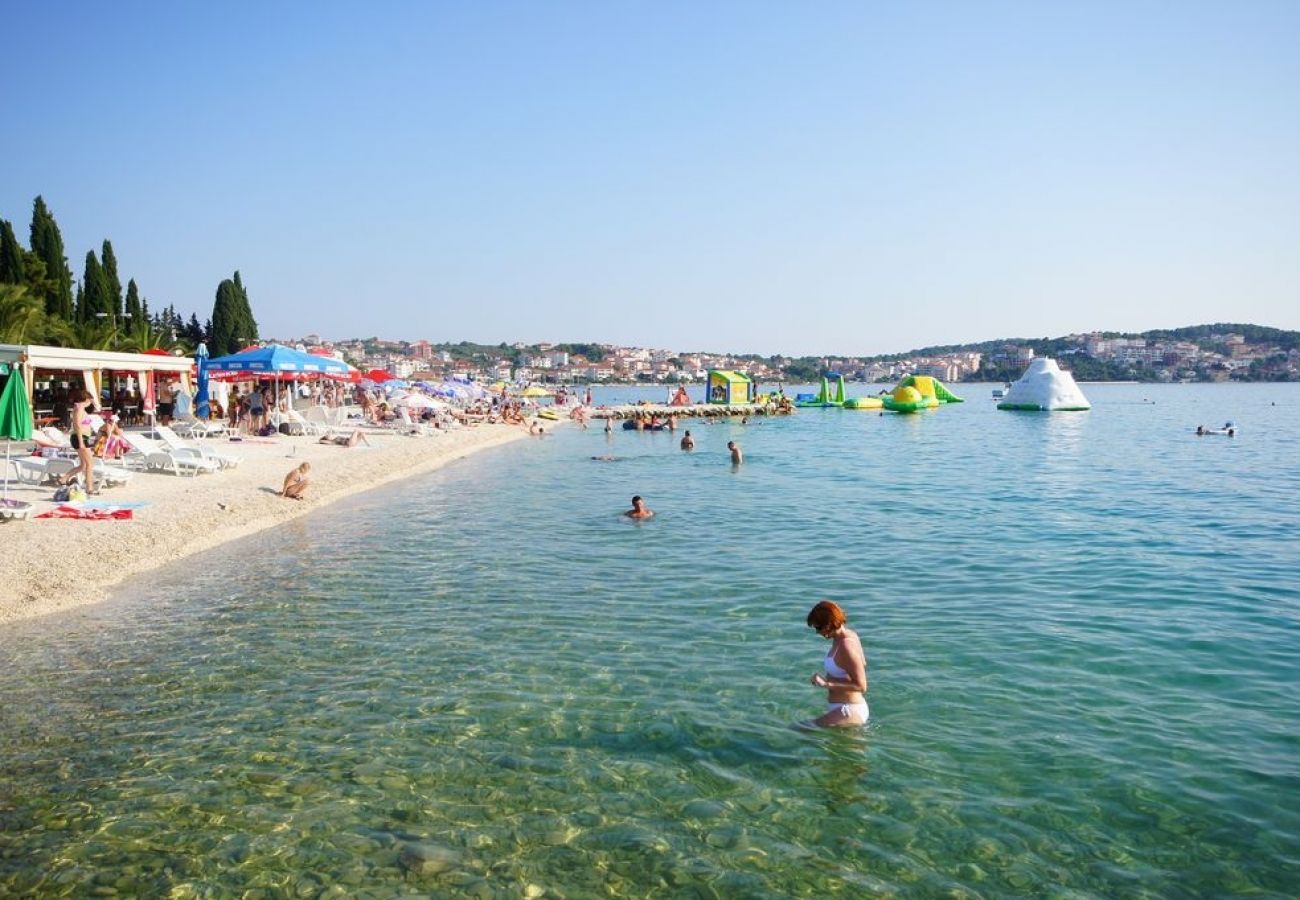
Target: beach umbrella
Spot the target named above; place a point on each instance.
(202, 408)
(275, 361)
(535, 391)
(378, 376)
(419, 401)
(15, 416)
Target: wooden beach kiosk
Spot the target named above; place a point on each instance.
(49, 373)
(730, 388)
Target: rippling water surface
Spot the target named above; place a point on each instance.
(1082, 634)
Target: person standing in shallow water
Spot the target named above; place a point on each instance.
(844, 672)
(736, 457)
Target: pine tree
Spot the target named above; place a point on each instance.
(12, 270)
(193, 330)
(134, 311)
(47, 242)
(113, 283)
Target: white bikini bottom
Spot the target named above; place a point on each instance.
(856, 712)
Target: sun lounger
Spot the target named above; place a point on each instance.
(157, 457)
(172, 441)
(40, 470)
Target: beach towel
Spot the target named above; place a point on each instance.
(97, 515)
(110, 504)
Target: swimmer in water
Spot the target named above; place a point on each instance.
(639, 510)
(845, 665)
(736, 457)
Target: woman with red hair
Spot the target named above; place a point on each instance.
(845, 676)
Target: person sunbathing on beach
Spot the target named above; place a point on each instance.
(356, 437)
(639, 510)
(295, 483)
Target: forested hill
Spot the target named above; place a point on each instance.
(1199, 334)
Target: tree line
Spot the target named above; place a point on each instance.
(41, 303)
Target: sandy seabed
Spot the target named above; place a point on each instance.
(52, 565)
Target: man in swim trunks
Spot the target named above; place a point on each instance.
(845, 665)
(639, 510)
(736, 457)
(688, 442)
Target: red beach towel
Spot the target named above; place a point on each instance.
(98, 515)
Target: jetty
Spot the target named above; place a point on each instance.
(693, 410)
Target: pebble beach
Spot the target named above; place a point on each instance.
(54, 565)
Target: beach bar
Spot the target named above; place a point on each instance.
(50, 372)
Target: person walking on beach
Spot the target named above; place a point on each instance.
(639, 510)
(82, 440)
(845, 669)
(688, 442)
(295, 483)
(736, 457)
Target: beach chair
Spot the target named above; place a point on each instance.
(406, 425)
(156, 457)
(298, 420)
(172, 441)
(199, 428)
(40, 470)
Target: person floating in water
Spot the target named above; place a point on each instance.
(639, 510)
(736, 456)
(845, 665)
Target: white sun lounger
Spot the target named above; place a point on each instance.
(172, 441)
(156, 457)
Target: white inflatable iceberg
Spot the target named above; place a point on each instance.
(1045, 387)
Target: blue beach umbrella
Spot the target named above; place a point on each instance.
(275, 360)
(202, 408)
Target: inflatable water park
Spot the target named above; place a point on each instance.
(1045, 387)
(913, 394)
(917, 392)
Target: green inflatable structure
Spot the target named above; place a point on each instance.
(917, 392)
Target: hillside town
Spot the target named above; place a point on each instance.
(1213, 356)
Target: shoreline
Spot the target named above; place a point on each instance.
(55, 565)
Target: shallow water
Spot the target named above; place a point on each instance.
(1082, 633)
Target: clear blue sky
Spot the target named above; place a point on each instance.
(846, 178)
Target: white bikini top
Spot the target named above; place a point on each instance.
(832, 667)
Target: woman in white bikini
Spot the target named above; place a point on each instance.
(845, 676)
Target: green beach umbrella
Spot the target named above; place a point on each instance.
(15, 416)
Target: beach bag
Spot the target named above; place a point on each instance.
(63, 494)
(266, 431)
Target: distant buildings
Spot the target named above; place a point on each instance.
(1095, 355)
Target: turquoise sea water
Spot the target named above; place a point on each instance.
(1082, 634)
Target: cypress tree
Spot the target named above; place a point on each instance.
(95, 293)
(225, 333)
(113, 283)
(134, 311)
(12, 270)
(47, 242)
(232, 325)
